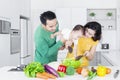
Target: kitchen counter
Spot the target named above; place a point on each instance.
(7, 75)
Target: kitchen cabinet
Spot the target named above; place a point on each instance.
(14, 13)
(107, 17)
(14, 59)
(79, 16)
(64, 17)
(9, 11)
(4, 49)
(105, 61)
(25, 8)
(108, 20)
(12, 9)
(69, 17)
(99, 58)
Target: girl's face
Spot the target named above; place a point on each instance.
(89, 33)
(77, 34)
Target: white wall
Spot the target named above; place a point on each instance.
(67, 7)
(39, 4)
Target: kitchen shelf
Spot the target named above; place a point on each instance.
(109, 23)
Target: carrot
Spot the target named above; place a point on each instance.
(40, 75)
(49, 75)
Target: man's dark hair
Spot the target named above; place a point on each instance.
(96, 27)
(48, 15)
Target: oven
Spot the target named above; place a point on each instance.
(15, 41)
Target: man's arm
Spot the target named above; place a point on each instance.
(43, 48)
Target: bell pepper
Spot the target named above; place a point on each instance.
(101, 71)
(62, 68)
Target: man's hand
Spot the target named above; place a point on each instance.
(62, 48)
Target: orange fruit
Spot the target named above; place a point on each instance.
(108, 70)
(78, 70)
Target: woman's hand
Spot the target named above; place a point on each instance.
(88, 55)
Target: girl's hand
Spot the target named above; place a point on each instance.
(69, 43)
(62, 39)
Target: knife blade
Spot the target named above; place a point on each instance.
(78, 57)
(70, 49)
(116, 74)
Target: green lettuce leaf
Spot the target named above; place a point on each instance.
(32, 68)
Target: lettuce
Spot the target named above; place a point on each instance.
(71, 62)
(32, 68)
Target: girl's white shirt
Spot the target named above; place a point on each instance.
(66, 34)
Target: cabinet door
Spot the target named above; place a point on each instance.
(78, 16)
(94, 61)
(64, 17)
(14, 59)
(25, 8)
(105, 62)
(14, 14)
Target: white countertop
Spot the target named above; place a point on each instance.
(5, 75)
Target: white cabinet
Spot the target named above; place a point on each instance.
(14, 13)
(79, 16)
(105, 61)
(64, 17)
(4, 49)
(106, 17)
(100, 59)
(12, 9)
(14, 59)
(69, 17)
(25, 8)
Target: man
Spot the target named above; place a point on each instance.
(46, 48)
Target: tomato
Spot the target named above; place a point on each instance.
(78, 70)
(108, 70)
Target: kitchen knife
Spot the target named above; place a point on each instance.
(78, 57)
(70, 49)
(116, 74)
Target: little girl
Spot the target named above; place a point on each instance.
(71, 38)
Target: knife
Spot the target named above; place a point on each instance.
(78, 57)
(70, 49)
(116, 74)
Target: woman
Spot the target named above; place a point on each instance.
(88, 43)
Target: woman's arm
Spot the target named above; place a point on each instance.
(90, 54)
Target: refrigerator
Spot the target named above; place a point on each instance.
(25, 56)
